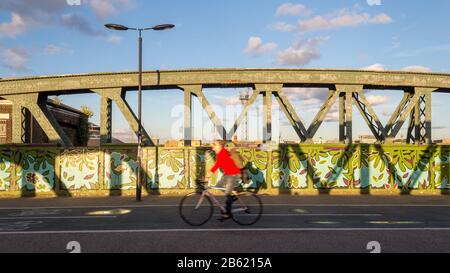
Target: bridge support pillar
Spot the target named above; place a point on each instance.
(419, 129)
(346, 111)
(187, 117)
(268, 90)
(267, 117)
(105, 120)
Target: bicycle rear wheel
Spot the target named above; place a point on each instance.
(196, 209)
(247, 209)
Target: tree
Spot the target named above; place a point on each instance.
(83, 132)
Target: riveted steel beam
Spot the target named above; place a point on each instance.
(197, 91)
(369, 116)
(320, 116)
(118, 96)
(419, 129)
(268, 90)
(291, 115)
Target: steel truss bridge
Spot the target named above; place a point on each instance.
(345, 86)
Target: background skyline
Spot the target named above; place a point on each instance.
(51, 37)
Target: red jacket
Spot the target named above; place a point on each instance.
(225, 163)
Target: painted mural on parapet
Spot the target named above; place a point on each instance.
(79, 170)
(6, 169)
(202, 160)
(166, 170)
(35, 169)
(289, 167)
(120, 169)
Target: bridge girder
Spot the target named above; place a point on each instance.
(346, 85)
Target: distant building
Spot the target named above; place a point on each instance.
(366, 139)
(94, 136)
(73, 121)
(442, 141)
(180, 143)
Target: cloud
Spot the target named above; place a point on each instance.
(374, 67)
(27, 14)
(342, 18)
(412, 68)
(114, 39)
(375, 100)
(387, 112)
(292, 10)
(232, 101)
(78, 22)
(107, 8)
(52, 49)
(332, 116)
(416, 68)
(15, 58)
(256, 47)
(307, 96)
(301, 53)
(381, 18)
(282, 26)
(14, 28)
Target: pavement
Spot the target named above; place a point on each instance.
(290, 224)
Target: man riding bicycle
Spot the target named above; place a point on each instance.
(232, 174)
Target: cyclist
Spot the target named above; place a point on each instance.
(231, 176)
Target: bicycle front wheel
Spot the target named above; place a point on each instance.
(196, 209)
(247, 209)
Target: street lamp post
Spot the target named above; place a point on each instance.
(139, 134)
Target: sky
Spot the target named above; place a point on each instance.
(54, 37)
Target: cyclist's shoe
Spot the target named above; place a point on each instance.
(224, 217)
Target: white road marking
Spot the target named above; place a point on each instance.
(316, 214)
(219, 230)
(56, 217)
(264, 205)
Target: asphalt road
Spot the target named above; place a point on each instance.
(289, 224)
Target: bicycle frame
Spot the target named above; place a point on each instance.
(216, 202)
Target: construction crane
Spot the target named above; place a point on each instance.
(244, 97)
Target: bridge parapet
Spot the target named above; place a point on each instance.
(293, 169)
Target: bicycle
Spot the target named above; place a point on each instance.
(197, 208)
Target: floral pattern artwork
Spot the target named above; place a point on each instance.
(35, 170)
(255, 162)
(199, 160)
(170, 169)
(120, 170)
(289, 169)
(151, 168)
(331, 167)
(79, 170)
(370, 169)
(5, 170)
(441, 165)
(389, 167)
(420, 175)
(401, 165)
